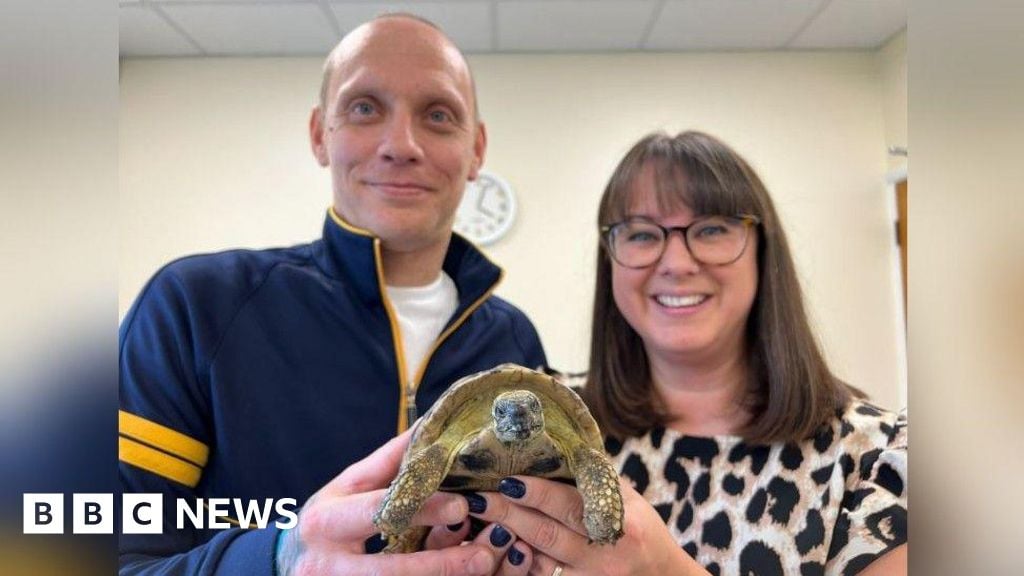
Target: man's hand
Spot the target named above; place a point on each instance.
(335, 522)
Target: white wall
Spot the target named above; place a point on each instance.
(892, 65)
(892, 61)
(214, 155)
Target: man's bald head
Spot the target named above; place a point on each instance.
(358, 36)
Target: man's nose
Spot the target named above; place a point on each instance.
(400, 143)
(677, 257)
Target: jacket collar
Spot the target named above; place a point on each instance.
(353, 255)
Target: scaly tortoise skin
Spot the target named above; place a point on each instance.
(505, 421)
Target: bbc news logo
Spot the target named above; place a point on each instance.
(143, 513)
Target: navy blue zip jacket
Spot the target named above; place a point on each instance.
(263, 374)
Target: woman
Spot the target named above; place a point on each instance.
(745, 454)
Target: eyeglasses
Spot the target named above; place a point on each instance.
(638, 242)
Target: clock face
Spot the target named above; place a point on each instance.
(487, 210)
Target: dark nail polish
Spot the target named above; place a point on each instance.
(455, 527)
(477, 503)
(515, 557)
(512, 488)
(499, 536)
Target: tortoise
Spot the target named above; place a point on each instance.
(497, 423)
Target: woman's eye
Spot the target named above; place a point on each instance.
(641, 236)
(713, 230)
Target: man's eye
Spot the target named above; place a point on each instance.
(439, 116)
(363, 108)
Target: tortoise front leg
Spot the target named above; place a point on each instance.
(598, 484)
(416, 481)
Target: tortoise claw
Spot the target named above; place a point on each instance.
(417, 480)
(598, 484)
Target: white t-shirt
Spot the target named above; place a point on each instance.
(422, 313)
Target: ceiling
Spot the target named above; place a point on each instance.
(312, 27)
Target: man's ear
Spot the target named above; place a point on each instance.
(479, 150)
(316, 136)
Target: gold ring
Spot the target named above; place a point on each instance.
(558, 570)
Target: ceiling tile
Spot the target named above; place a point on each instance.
(304, 27)
(143, 32)
(854, 24)
(570, 25)
(468, 24)
(254, 29)
(729, 24)
(171, 2)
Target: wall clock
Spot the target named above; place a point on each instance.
(488, 209)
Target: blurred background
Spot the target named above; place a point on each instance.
(58, 273)
(215, 97)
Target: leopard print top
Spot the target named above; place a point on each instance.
(829, 505)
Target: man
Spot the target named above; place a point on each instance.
(262, 374)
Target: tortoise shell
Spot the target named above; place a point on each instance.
(465, 410)
(505, 421)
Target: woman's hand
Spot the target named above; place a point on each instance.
(547, 517)
(509, 556)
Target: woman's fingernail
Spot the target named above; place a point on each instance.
(455, 527)
(477, 503)
(499, 536)
(515, 557)
(512, 488)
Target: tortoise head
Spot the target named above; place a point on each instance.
(518, 416)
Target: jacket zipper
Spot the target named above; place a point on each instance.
(407, 411)
(411, 413)
(410, 398)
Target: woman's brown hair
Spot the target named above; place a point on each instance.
(791, 390)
